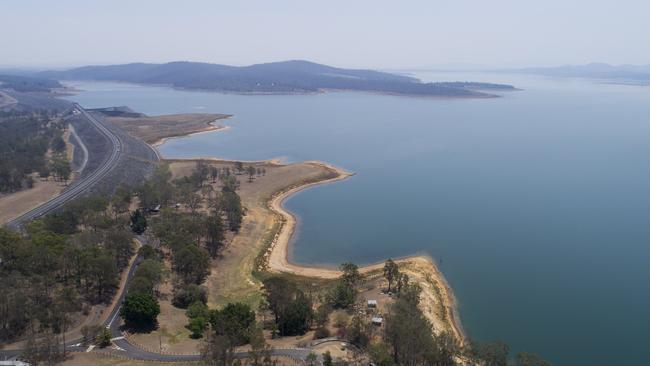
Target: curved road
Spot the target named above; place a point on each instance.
(113, 322)
(79, 186)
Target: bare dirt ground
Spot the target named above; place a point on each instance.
(155, 129)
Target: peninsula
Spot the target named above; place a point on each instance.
(287, 77)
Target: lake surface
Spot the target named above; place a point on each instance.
(536, 205)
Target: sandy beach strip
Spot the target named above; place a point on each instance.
(438, 301)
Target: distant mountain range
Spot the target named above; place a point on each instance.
(276, 77)
(623, 73)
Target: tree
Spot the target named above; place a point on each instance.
(327, 359)
(215, 234)
(217, 350)
(214, 173)
(239, 166)
(350, 274)
(138, 222)
(530, 359)
(91, 333)
(140, 285)
(233, 321)
(198, 313)
(197, 327)
(402, 281)
(409, 334)
(290, 306)
(120, 242)
(359, 331)
(260, 353)
(391, 272)
(186, 295)
(66, 302)
(140, 310)
(102, 271)
(489, 353)
(230, 203)
(251, 173)
(342, 296)
(104, 338)
(149, 272)
(192, 264)
(121, 199)
(380, 355)
(311, 359)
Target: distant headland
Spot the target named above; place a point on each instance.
(286, 77)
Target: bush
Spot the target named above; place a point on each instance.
(197, 310)
(148, 252)
(321, 332)
(140, 310)
(189, 294)
(197, 326)
(91, 333)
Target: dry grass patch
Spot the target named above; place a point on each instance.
(232, 273)
(154, 129)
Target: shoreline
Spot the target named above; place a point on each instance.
(210, 127)
(421, 268)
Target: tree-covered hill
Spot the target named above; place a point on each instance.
(276, 77)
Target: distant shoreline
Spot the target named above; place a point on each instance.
(479, 93)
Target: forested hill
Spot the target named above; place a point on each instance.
(276, 77)
(28, 84)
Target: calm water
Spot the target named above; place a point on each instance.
(536, 204)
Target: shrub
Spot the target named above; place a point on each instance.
(321, 332)
(189, 294)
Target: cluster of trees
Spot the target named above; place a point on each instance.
(407, 337)
(141, 307)
(192, 236)
(234, 325)
(393, 275)
(25, 139)
(64, 263)
(28, 83)
(292, 309)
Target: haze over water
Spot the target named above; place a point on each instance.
(536, 205)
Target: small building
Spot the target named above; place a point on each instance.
(376, 320)
(154, 209)
(372, 303)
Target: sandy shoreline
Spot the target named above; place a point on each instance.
(209, 128)
(439, 303)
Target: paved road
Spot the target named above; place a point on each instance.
(113, 322)
(81, 185)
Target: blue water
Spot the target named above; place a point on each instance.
(536, 204)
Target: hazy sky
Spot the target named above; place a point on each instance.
(352, 33)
